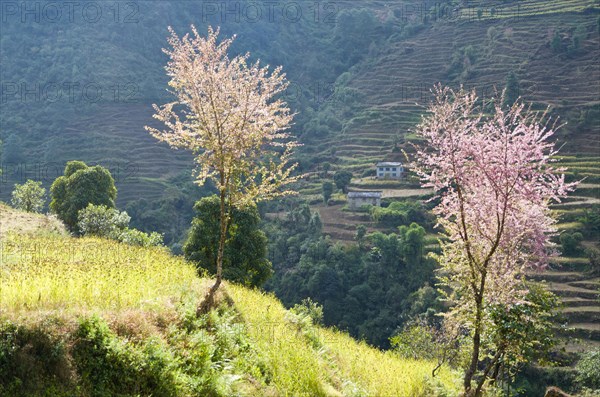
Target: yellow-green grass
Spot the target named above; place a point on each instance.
(568, 260)
(569, 226)
(50, 272)
(341, 363)
(52, 275)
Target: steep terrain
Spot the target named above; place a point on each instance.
(383, 68)
(86, 316)
(12, 220)
(392, 90)
(393, 85)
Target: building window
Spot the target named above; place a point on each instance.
(387, 168)
(394, 174)
(394, 169)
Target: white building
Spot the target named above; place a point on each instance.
(358, 199)
(391, 170)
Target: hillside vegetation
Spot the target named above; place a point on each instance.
(360, 72)
(86, 316)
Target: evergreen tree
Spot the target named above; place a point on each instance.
(245, 256)
(79, 186)
(512, 90)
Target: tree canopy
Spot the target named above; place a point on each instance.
(342, 180)
(79, 186)
(30, 196)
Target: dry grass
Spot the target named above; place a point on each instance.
(23, 222)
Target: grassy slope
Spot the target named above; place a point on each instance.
(57, 293)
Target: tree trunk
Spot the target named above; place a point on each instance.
(209, 299)
(476, 347)
(484, 377)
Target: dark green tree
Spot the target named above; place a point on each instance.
(413, 243)
(512, 90)
(342, 180)
(326, 167)
(245, 256)
(79, 186)
(591, 220)
(556, 43)
(327, 191)
(570, 242)
(361, 232)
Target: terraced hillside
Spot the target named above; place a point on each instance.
(395, 85)
(114, 137)
(479, 51)
(574, 278)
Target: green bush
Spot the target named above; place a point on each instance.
(29, 197)
(311, 309)
(33, 362)
(102, 221)
(591, 221)
(137, 237)
(79, 186)
(400, 213)
(570, 242)
(109, 366)
(588, 374)
(415, 341)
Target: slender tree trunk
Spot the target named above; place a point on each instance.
(476, 347)
(209, 299)
(223, 236)
(487, 371)
(496, 373)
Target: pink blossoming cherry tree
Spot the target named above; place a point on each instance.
(493, 178)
